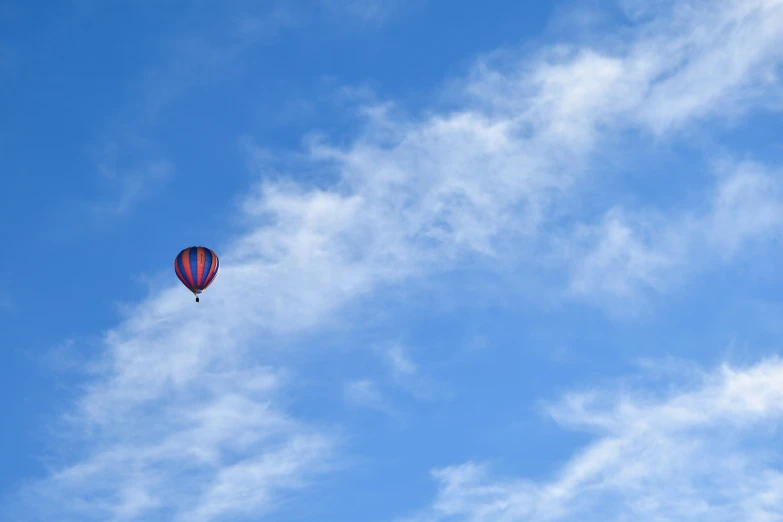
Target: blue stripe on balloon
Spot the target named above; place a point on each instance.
(207, 266)
(194, 265)
(217, 269)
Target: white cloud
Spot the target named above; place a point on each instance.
(687, 62)
(365, 393)
(401, 364)
(747, 206)
(628, 251)
(704, 453)
(409, 377)
(182, 409)
(741, 44)
(246, 487)
(196, 448)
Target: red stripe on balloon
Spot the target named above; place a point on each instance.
(186, 266)
(200, 261)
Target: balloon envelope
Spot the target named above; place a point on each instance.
(196, 267)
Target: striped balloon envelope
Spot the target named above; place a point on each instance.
(196, 267)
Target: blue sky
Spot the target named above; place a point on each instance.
(480, 262)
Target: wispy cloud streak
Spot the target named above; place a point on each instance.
(702, 453)
(632, 251)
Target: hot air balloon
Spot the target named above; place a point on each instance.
(196, 267)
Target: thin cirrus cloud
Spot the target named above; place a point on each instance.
(700, 453)
(132, 186)
(629, 252)
(365, 393)
(131, 163)
(415, 195)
